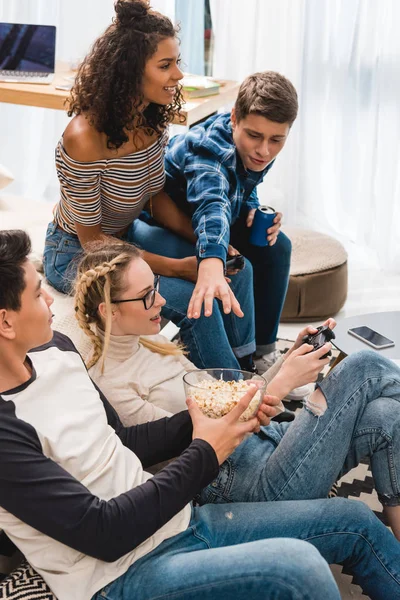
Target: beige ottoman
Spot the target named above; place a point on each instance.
(318, 276)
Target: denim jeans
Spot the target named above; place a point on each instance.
(223, 555)
(237, 551)
(62, 252)
(301, 460)
(271, 266)
(273, 486)
(215, 341)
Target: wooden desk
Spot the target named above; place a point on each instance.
(46, 96)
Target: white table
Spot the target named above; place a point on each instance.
(386, 323)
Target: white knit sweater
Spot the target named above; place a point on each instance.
(143, 385)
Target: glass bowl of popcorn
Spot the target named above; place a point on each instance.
(217, 391)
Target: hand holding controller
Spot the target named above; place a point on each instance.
(236, 262)
(324, 334)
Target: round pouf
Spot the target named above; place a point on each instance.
(318, 276)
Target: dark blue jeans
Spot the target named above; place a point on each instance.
(271, 266)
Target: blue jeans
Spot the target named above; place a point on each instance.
(270, 274)
(237, 551)
(62, 252)
(271, 267)
(215, 341)
(254, 501)
(223, 555)
(301, 460)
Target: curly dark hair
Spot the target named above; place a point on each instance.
(108, 85)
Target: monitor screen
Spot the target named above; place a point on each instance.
(27, 47)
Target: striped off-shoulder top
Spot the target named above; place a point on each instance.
(111, 192)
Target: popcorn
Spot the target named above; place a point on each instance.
(218, 397)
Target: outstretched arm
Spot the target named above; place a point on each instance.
(208, 191)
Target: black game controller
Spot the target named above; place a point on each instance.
(324, 334)
(235, 263)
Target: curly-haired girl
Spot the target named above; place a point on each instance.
(110, 164)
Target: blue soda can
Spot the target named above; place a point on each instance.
(263, 220)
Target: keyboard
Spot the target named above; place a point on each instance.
(25, 76)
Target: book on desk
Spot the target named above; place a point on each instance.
(197, 86)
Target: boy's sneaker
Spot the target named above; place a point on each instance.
(264, 362)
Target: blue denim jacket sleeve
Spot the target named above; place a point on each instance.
(208, 188)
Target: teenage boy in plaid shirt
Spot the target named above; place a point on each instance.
(213, 172)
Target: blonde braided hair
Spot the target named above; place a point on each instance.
(101, 270)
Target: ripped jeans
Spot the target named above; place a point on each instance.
(252, 551)
(239, 545)
(301, 460)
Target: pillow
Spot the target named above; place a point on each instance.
(25, 584)
(6, 177)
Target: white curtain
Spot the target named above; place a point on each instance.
(166, 7)
(340, 170)
(29, 135)
(190, 16)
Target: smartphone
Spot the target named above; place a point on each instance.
(371, 337)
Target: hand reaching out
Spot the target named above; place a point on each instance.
(211, 283)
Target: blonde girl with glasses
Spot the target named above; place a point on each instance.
(353, 414)
(118, 306)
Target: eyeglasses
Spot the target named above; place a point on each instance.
(148, 299)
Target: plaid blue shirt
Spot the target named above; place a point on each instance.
(206, 178)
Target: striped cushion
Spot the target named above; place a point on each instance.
(25, 584)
